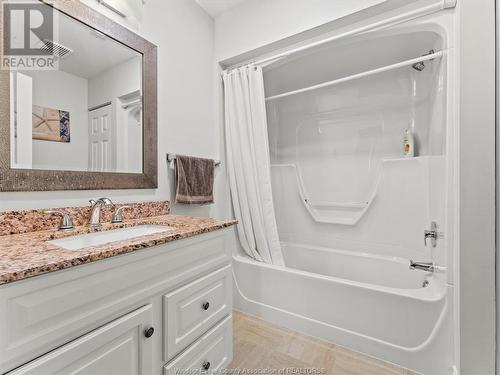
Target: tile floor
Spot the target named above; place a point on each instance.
(262, 345)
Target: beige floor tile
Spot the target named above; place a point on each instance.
(263, 345)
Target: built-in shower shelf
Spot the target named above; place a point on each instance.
(393, 160)
(346, 213)
(349, 213)
(325, 204)
(413, 158)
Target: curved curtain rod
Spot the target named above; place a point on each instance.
(386, 68)
(395, 19)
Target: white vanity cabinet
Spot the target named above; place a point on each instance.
(119, 347)
(96, 318)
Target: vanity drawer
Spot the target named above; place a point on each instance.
(212, 352)
(192, 309)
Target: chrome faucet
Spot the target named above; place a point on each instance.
(422, 266)
(433, 234)
(95, 212)
(118, 215)
(66, 221)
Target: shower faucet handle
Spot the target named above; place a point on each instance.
(433, 234)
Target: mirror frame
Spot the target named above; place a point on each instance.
(49, 180)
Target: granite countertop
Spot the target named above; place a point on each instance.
(29, 254)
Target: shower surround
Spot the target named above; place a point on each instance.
(351, 208)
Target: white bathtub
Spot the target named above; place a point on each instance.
(369, 303)
(387, 272)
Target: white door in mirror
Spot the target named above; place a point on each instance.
(100, 140)
(100, 238)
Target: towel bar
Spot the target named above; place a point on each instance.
(172, 157)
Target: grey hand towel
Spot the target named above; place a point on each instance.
(195, 180)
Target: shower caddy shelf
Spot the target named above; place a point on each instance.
(312, 206)
(362, 206)
(335, 204)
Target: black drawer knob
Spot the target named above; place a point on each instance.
(149, 332)
(205, 305)
(206, 365)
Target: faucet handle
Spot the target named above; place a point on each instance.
(100, 200)
(433, 234)
(118, 216)
(66, 221)
(105, 200)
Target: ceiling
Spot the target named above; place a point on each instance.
(92, 53)
(216, 7)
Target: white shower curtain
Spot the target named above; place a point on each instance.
(249, 163)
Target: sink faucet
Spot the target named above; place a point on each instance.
(95, 212)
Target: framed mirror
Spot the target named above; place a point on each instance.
(87, 118)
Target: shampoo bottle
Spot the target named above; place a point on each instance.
(408, 144)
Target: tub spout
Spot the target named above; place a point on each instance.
(422, 266)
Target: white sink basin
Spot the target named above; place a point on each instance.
(100, 238)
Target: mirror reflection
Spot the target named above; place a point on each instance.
(86, 115)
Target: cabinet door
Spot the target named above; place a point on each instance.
(118, 348)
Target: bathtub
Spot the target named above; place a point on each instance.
(372, 304)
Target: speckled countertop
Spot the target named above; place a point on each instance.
(29, 254)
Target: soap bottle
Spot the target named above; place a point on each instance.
(408, 144)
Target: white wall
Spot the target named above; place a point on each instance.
(184, 35)
(71, 95)
(477, 187)
(257, 23)
(116, 81)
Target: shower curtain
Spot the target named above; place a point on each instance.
(249, 163)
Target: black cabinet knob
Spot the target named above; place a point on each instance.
(205, 365)
(149, 332)
(205, 305)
